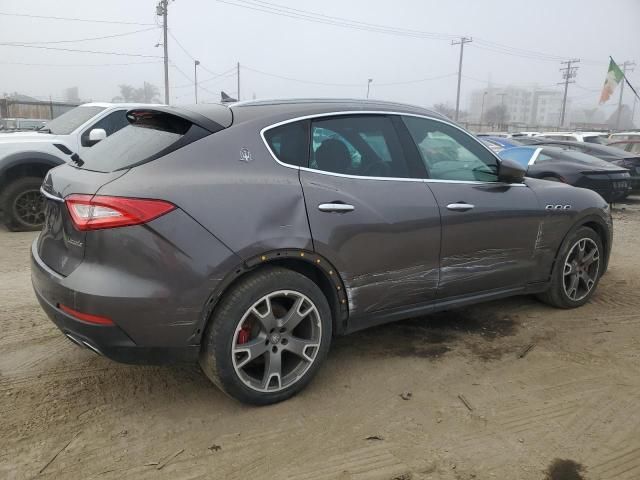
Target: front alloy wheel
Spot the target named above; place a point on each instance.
(581, 269)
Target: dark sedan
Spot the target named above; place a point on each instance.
(575, 168)
(621, 158)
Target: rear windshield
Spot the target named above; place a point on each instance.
(69, 121)
(570, 156)
(600, 140)
(149, 135)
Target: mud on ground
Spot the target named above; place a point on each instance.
(507, 390)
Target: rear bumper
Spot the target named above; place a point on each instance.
(110, 341)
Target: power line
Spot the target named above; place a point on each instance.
(226, 74)
(318, 18)
(79, 51)
(81, 39)
(114, 22)
(306, 15)
(65, 65)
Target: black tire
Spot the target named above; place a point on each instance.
(16, 191)
(557, 295)
(221, 335)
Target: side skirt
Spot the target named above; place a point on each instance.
(356, 323)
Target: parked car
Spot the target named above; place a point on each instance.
(499, 143)
(524, 134)
(25, 157)
(248, 236)
(21, 124)
(607, 153)
(591, 137)
(494, 134)
(573, 168)
(616, 137)
(631, 146)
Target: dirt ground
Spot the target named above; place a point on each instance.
(505, 390)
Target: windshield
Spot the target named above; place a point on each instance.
(69, 121)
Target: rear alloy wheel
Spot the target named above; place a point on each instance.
(267, 337)
(577, 271)
(24, 205)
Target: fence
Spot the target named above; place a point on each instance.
(33, 109)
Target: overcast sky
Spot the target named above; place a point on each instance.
(221, 33)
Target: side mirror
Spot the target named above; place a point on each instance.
(510, 171)
(96, 135)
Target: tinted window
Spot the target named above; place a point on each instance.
(364, 145)
(450, 154)
(290, 143)
(110, 124)
(69, 121)
(596, 139)
(550, 154)
(149, 135)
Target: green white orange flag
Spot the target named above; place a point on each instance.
(614, 77)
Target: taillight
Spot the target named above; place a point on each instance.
(90, 212)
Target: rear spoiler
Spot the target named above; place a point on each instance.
(212, 118)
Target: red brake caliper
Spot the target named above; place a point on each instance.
(244, 334)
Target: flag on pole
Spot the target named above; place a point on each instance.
(614, 77)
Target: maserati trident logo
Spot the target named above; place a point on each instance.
(245, 155)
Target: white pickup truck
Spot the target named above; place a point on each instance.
(26, 157)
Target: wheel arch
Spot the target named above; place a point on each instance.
(313, 266)
(27, 164)
(595, 223)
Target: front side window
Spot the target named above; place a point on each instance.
(363, 145)
(110, 124)
(450, 154)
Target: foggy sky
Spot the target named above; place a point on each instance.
(219, 35)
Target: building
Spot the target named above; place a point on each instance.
(516, 106)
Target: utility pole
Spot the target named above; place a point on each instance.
(162, 10)
(460, 42)
(503, 113)
(482, 107)
(238, 72)
(568, 73)
(369, 85)
(195, 77)
(625, 68)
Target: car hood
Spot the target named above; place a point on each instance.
(31, 137)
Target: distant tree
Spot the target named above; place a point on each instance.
(148, 93)
(445, 109)
(496, 114)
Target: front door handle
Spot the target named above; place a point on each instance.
(460, 206)
(336, 207)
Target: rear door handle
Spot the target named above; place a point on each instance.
(460, 206)
(336, 207)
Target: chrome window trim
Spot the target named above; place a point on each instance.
(535, 156)
(379, 112)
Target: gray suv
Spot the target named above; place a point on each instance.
(248, 236)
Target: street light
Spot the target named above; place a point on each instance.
(369, 86)
(195, 77)
(482, 108)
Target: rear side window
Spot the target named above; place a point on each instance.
(362, 145)
(290, 143)
(149, 135)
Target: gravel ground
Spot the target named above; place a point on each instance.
(507, 390)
